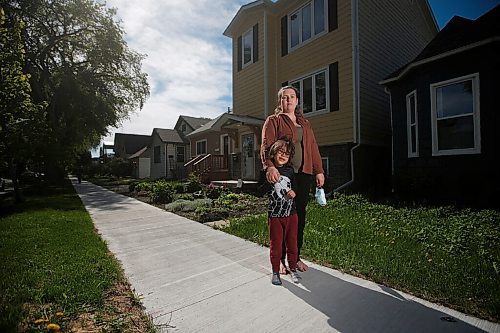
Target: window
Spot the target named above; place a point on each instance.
(247, 48)
(412, 124)
(183, 128)
(455, 116)
(306, 23)
(201, 147)
(157, 158)
(313, 91)
(180, 154)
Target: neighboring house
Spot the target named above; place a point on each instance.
(186, 125)
(215, 142)
(334, 53)
(126, 145)
(170, 149)
(445, 114)
(167, 154)
(141, 163)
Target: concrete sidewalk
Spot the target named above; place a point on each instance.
(197, 279)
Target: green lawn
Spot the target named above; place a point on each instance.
(445, 255)
(52, 260)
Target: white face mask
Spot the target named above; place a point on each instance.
(320, 196)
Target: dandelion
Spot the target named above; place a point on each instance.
(59, 313)
(39, 321)
(53, 327)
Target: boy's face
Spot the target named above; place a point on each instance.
(281, 157)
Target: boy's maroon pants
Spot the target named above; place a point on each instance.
(283, 228)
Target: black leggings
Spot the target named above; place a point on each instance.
(302, 189)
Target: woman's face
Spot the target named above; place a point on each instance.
(288, 101)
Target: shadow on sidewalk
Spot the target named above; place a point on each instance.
(354, 308)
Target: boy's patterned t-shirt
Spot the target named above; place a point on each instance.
(279, 204)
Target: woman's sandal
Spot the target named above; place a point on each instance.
(301, 266)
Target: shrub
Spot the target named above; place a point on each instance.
(187, 205)
(179, 187)
(209, 214)
(194, 183)
(214, 192)
(185, 196)
(161, 192)
(145, 185)
(227, 199)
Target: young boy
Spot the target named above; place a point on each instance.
(283, 221)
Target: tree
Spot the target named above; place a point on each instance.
(81, 65)
(20, 119)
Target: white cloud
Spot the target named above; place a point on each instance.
(188, 59)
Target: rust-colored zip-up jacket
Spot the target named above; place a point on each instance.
(280, 126)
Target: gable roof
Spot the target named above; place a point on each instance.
(458, 35)
(138, 153)
(131, 142)
(226, 119)
(249, 7)
(194, 122)
(168, 135)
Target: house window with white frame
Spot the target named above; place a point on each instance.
(455, 116)
(180, 150)
(306, 23)
(247, 54)
(412, 124)
(313, 91)
(326, 165)
(201, 147)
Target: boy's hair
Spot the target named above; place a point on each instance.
(282, 144)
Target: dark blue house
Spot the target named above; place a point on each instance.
(445, 108)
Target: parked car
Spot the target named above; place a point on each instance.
(30, 177)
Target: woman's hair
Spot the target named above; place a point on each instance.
(282, 144)
(277, 110)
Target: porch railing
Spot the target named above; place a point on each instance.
(209, 167)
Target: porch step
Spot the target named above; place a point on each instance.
(247, 184)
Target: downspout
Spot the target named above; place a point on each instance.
(355, 87)
(266, 69)
(388, 91)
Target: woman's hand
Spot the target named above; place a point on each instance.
(272, 175)
(320, 180)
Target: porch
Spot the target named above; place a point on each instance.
(210, 167)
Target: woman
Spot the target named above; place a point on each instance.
(289, 123)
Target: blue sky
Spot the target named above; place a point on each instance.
(444, 10)
(189, 60)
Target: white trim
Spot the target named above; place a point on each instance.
(206, 147)
(475, 116)
(243, 64)
(327, 90)
(355, 93)
(409, 124)
(313, 35)
(327, 170)
(222, 144)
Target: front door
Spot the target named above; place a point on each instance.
(248, 156)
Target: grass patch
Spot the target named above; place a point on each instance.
(443, 254)
(55, 267)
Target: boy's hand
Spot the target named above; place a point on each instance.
(291, 194)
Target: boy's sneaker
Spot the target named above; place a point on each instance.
(276, 280)
(295, 276)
